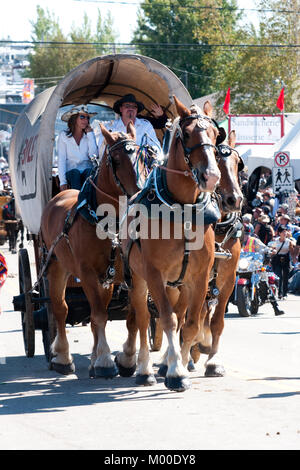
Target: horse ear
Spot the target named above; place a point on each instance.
(106, 134)
(232, 138)
(208, 109)
(131, 130)
(181, 109)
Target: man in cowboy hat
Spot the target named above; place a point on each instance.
(128, 108)
(75, 146)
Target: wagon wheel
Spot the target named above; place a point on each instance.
(155, 334)
(48, 333)
(27, 316)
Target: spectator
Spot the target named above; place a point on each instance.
(268, 200)
(264, 230)
(257, 212)
(3, 273)
(282, 248)
(284, 221)
(247, 218)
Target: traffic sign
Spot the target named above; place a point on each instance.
(282, 159)
(283, 179)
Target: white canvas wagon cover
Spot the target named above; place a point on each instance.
(102, 79)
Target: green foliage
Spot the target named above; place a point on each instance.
(255, 74)
(55, 60)
(193, 29)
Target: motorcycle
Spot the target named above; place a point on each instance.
(255, 284)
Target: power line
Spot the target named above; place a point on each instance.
(192, 7)
(54, 44)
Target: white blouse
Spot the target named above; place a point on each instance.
(276, 244)
(71, 155)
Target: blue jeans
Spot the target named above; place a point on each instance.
(75, 178)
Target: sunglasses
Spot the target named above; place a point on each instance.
(83, 116)
(130, 105)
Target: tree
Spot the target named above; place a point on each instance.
(259, 71)
(181, 34)
(50, 62)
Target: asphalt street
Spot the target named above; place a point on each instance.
(255, 406)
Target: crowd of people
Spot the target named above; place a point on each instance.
(277, 226)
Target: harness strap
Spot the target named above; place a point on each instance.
(111, 271)
(185, 261)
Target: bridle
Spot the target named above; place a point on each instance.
(129, 147)
(203, 123)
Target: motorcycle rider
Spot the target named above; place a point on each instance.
(252, 244)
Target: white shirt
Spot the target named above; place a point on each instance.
(276, 244)
(71, 155)
(145, 133)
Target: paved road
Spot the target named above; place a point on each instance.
(255, 406)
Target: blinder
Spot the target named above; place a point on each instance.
(224, 151)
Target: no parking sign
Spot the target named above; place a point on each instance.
(282, 159)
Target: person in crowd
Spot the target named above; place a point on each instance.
(284, 221)
(264, 230)
(282, 249)
(128, 107)
(257, 201)
(75, 147)
(251, 243)
(247, 219)
(268, 200)
(257, 212)
(3, 273)
(266, 210)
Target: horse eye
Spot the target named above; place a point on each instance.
(117, 161)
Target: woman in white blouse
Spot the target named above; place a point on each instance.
(75, 147)
(282, 248)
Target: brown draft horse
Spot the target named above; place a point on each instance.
(191, 170)
(86, 256)
(213, 319)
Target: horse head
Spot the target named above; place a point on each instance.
(198, 137)
(118, 158)
(230, 164)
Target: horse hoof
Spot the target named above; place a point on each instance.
(125, 371)
(162, 371)
(177, 384)
(106, 372)
(214, 370)
(64, 369)
(147, 379)
(191, 366)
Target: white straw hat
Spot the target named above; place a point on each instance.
(76, 110)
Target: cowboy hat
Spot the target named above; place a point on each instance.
(130, 98)
(264, 219)
(76, 110)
